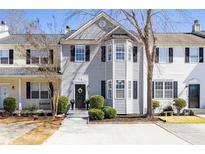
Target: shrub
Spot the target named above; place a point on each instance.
(96, 102)
(31, 108)
(9, 104)
(179, 104)
(96, 114)
(62, 104)
(109, 112)
(155, 104)
(168, 108)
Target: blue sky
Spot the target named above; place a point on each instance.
(180, 23)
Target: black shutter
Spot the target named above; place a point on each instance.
(175, 89)
(186, 55)
(157, 55)
(152, 89)
(28, 56)
(50, 56)
(135, 90)
(72, 53)
(170, 55)
(103, 88)
(28, 90)
(11, 56)
(87, 53)
(103, 53)
(135, 53)
(201, 55)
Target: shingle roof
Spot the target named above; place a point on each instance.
(22, 38)
(9, 71)
(179, 39)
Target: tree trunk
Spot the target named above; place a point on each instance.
(149, 89)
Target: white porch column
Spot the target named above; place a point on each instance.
(20, 92)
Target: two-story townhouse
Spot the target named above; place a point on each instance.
(25, 70)
(103, 58)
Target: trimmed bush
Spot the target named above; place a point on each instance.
(96, 114)
(109, 112)
(62, 104)
(96, 102)
(179, 104)
(168, 108)
(155, 104)
(9, 104)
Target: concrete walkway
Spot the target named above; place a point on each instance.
(76, 131)
(8, 132)
(201, 115)
(192, 133)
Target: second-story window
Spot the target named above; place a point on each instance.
(4, 56)
(79, 53)
(194, 55)
(39, 57)
(163, 55)
(120, 52)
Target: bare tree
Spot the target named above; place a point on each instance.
(146, 34)
(37, 39)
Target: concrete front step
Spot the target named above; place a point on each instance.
(77, 113)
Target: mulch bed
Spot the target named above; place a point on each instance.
(125, 120)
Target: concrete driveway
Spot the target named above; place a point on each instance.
(8, 132)
(192, 133)
(76, 131)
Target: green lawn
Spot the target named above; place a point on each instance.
(183, 119)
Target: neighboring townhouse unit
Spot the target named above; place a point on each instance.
(104, 58)
(25, 70)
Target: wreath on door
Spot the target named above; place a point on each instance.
(80, 90)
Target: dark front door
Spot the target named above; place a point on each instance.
(194, 96)
(80, 95)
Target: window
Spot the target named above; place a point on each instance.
(39, 57)
(129, 89)
(168, 90)
(109, 51)
(120, 52)
(194, 55)
(163, 89)
(130, 53)
(35, 90)
(120, 88)
(79, 53)
(4, 56)
(44, 58)
(44, 90)
(163, 55)
(109, 89)
(39, 90)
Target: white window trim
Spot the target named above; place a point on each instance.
(120, 89)
(8, 56)
(109, 89)
(128, 52)
(80, 61)
(39, 87)
(190, 54)
(163, 90)
(160, 62)
(116, 51)
(129, 89)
